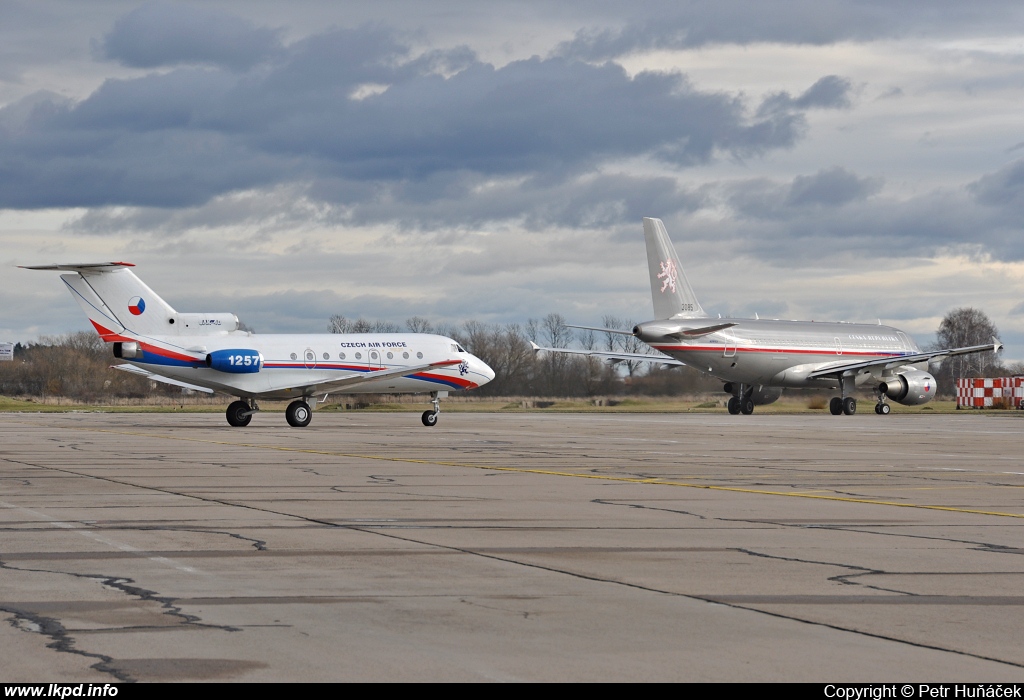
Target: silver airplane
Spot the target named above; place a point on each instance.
(758, 358)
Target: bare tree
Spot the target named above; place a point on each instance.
(532, 330)
(556, 333)
(963, 327)
(339, 324)
(418, 324)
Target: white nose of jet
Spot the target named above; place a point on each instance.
(483, 373)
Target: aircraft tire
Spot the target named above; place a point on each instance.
(883, 409)
(835, 406)
(429, 418)
(734, 406)
(298, 414)
(747, 407)
(234, 414)
(849, 405)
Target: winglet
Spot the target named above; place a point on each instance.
(536, 348)
(997, 346)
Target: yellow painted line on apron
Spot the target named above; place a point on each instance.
(548, 472)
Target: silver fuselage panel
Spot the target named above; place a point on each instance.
(783, 353)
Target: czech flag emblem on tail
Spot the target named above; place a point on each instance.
(136, 306)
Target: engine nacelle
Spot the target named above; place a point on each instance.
(235, 361)
(762, 395)
(199, 324)
(127, 351)
(910, 388)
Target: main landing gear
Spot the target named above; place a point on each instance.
(742, 401)
(298, 414)
(839, 406)
(429, 418)
(239, 413)
(846, 404)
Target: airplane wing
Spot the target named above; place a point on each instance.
(618, 331)
(619, 356)
(358, 378)
(892, 362)
(682, 332)
(160, 378)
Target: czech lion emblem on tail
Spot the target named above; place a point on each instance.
(670, 274)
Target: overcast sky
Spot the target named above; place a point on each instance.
(827, 159)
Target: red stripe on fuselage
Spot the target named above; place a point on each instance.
(170, 354)
(777, 351)
(464, 383)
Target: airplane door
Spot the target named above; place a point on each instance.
(373, 359)
(903, 340)
(309, 358)
(839, 347)
(730, 350)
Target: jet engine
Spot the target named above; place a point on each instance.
(910, 388)
(235, 361)
(127, 351)
(762, 396)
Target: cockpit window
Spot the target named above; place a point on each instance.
(460, 348)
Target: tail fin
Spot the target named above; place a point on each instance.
(673, 297)
(117, 302)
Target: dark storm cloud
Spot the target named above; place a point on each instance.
(831, 188)
(162, 34)
(1003, 188)
(352, 114)
(830, 92)
(683, 24)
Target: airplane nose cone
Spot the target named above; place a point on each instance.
(484, 370)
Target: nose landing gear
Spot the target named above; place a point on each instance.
(429, 418)
(239, 413)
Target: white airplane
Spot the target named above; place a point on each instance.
(208, 352)
(758, 358)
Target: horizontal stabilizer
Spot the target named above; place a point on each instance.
(618, 331)
(616, 356)
(80, 267)
(704, 330)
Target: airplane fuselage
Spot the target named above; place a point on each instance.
(290, 366)
(783, 353)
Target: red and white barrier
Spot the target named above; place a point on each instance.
(986, 393)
